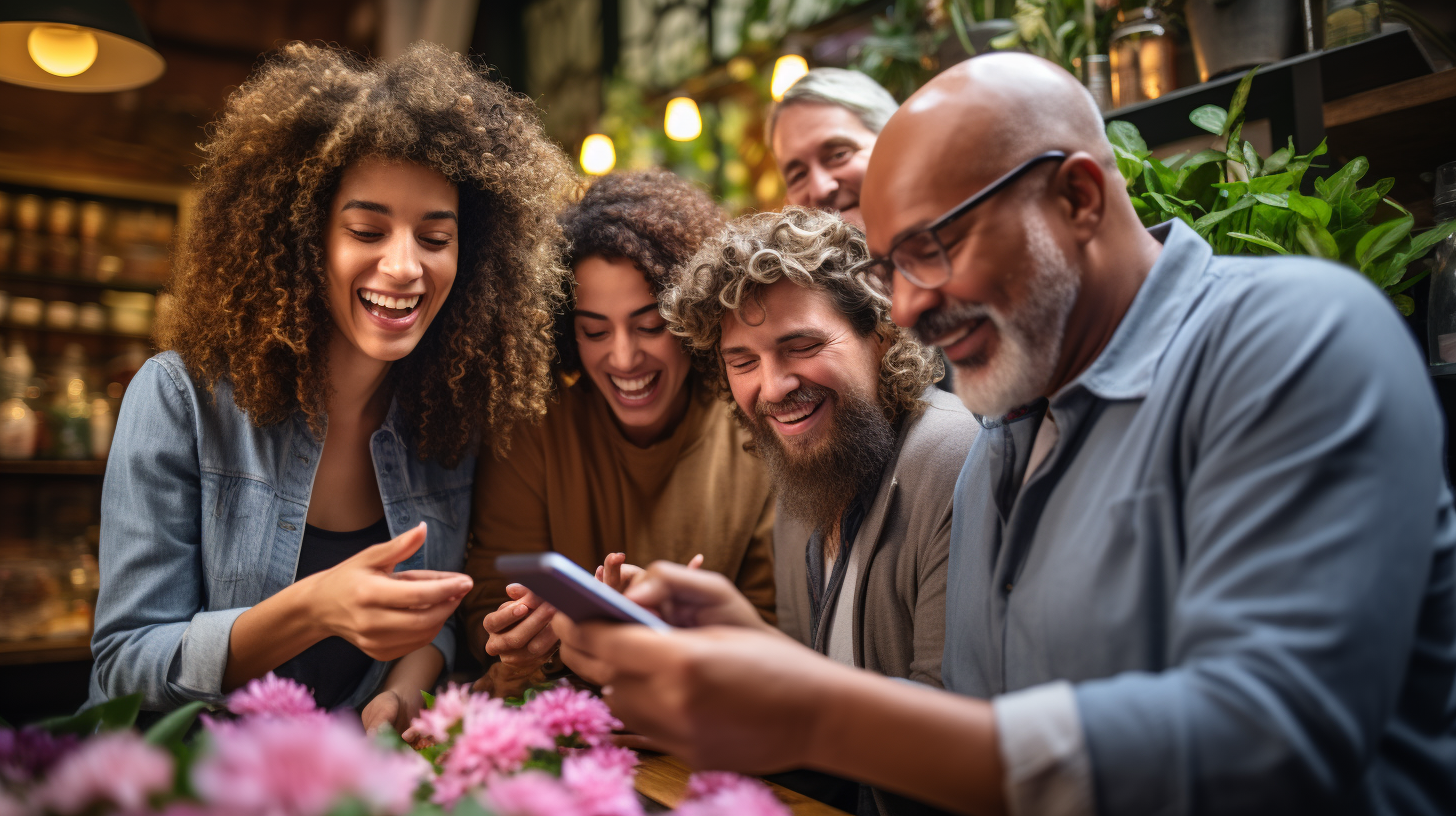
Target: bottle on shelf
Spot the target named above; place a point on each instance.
(17, 421)
(1441, 314)
(70, 413)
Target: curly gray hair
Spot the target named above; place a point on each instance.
(816, 250)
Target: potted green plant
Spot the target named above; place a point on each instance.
(1228, 35)
(1245, 203)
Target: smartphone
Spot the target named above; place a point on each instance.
(573, 590)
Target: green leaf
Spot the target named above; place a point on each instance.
(1206, 224)
(1404, 304)
(1241, 95)
(1407, 283)
(1209, 117)
(348, 806)
(1347, 239)
(428, 697)
(1251, 160)
(1272, 200)
(468, 806)
(171, 728)
(1201, 158)
(1310, 208)
(1146, 213)
(1254, 239)
(1382, 239)
(1277, 183)
(1126, 136)
(1279, 160)
(1152, 180)
(1010, 39)
(1431, 237)
(1342, 183)
(112, 715)
(1317, 241)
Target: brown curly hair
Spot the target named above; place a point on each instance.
(816, 250)
(251, 302)
(653, 218)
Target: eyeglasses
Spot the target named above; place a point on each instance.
(920, 256)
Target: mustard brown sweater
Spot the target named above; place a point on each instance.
(574, 484)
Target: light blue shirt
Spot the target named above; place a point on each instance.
(202, 516)
(1230, 588)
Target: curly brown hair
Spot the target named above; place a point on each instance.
(816, 250)
(251, 302)
(653, 218)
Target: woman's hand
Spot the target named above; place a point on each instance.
(389, 708)
(616, 573)
(386, 614)
(520, 630)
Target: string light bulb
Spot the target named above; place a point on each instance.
(63, 51)
(598, 156)
(788, 69)
(682, 123)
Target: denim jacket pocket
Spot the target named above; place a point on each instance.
(450, 510)
(237, 526)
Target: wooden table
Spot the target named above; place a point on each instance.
(664, 779)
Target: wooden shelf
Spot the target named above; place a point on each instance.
(1412, 93)
(44, 329)
(79, 283)
(53, 467)
(59, 650)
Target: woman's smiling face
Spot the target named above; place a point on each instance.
(625, 348)
(392, 247)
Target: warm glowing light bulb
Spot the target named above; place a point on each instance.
(598, 157)
(788, 69)
(62, 50)
(682, 122)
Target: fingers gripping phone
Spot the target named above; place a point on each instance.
(573, 590)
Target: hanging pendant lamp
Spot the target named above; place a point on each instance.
(85, 46)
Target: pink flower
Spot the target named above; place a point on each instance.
(10, 806)
(272, 696)
(449, 709)
(716, 793)
(531, 793)
(601, 781)
(275, 766)
(118, 768)
(493, 740)
(564, 711)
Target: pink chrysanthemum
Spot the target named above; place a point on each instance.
(494, 739)
(273, 766)
(436, 722)
(715, 793)
(118, 768)
(531, 793)
(564, 711)
(272, 696)
(601, 781)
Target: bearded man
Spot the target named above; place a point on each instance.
(863, 452)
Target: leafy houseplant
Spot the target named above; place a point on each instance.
(1244, 203)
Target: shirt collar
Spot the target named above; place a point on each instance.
(1125, 368)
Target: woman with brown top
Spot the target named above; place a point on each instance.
(635, 459)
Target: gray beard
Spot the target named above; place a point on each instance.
(815, 486)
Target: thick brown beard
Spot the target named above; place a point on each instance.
(815, 486)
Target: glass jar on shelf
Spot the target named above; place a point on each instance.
(1143, 55)
(1441, 313)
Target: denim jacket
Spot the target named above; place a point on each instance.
(202, 516)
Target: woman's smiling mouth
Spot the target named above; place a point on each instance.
(389, 307)
(635, 391)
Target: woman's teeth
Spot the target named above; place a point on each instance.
(634, 388)
(797, 414)
(379, 302)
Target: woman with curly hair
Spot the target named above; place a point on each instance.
(364, 297)
(636, 461)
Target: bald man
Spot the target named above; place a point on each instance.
(1203, 555)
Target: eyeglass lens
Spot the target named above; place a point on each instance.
(921, 258)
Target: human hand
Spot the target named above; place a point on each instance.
(391, 708)
(520, 630)
(692, 597)
(721, 697)
(384, 613)
(616, 573)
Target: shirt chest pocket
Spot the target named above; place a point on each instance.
(446, 512)
(238, 526)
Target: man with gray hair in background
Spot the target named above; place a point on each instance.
(822, 133)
